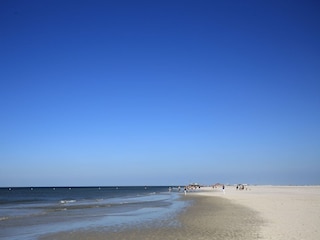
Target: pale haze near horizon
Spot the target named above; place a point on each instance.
(99, 93)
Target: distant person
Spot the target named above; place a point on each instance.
(223, 189)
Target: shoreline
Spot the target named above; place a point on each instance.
(207, 217)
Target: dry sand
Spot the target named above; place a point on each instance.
(289, 212)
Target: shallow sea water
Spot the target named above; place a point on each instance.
(28, 213)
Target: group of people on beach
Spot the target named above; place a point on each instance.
(195, 187)
(241, 187)
(190, 188)
(187, 188)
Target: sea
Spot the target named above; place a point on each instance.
(29, 213)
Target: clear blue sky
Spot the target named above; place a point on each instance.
(159, 92)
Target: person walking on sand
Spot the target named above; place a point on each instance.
(223, 189)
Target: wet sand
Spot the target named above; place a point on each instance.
(207, 217)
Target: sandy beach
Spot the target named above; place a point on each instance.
(288, 212)
(261, 212)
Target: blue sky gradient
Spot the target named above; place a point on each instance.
(159, 92)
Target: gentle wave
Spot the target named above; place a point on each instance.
(3, 218)
(67, 201)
